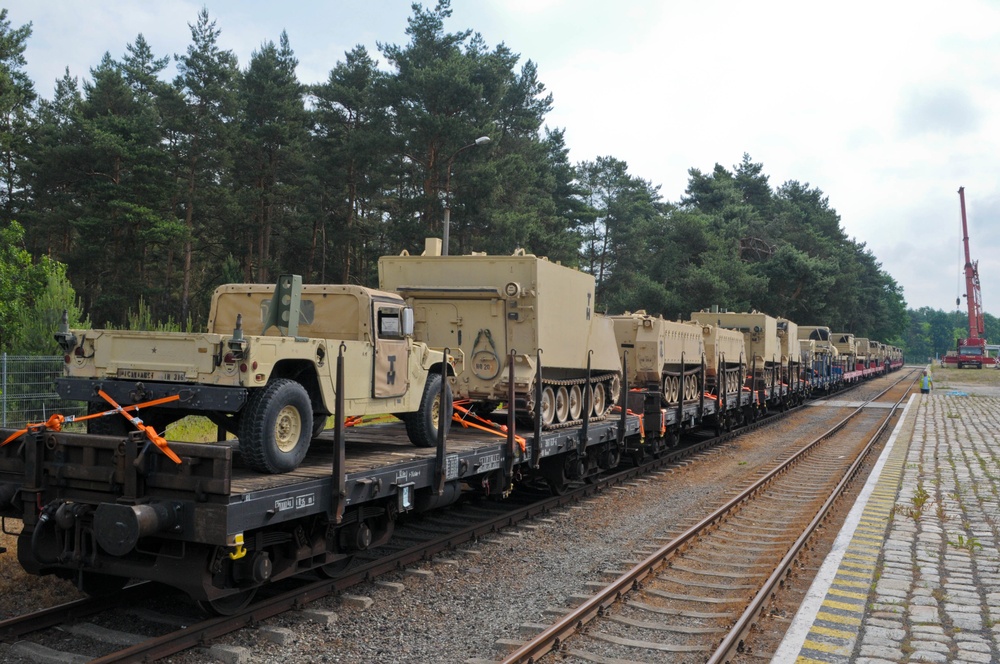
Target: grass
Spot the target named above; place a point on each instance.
(198, 429)
(951, 378)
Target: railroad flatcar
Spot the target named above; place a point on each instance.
(101, 509)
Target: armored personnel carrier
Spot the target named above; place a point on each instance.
(760, 335)
(500, 311)
(725, 359)
(662, 354)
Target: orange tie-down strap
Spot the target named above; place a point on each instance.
(56, 421)
(470, 420)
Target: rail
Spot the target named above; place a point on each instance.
(553, 636)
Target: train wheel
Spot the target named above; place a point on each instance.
(562, 404)
(575, 402)
(335, 569)
(276, 427)
(228, 605)
(547, 408)
(598, 399)
(556, 477)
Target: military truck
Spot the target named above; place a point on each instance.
(265, 370)
(484, 307)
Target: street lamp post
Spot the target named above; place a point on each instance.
(482, 140)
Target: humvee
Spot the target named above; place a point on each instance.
(266, 369)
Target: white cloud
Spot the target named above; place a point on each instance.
(887, 107)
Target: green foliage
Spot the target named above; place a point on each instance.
(39, 322)
(15, 290)
(33, 296)
(154, 192)
(143, 320)
(17, 95)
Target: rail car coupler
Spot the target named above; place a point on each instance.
(119, 527)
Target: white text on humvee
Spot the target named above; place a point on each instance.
(266, 369)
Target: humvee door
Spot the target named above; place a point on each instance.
(391, 353)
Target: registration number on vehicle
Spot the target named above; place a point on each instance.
(142, 374)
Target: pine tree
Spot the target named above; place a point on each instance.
(17, 97)
(202, 149)
(272, 142)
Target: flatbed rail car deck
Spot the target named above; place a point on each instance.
(378, 460)
(103, 509)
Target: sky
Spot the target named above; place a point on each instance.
(887, 107)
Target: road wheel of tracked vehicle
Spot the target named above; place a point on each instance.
(597, 399)
(575, 402)
(276, 427)
(422, 426)
(228, 605)
(547, 409)
(562, 404)
(671, 389)
(614, 390)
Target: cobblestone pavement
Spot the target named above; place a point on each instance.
(919, 578)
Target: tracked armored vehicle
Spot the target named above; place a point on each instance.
(760, 336)
(662, 354)
(499, 312)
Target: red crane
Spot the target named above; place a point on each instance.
(971, 350)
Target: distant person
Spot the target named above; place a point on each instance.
(925, 383)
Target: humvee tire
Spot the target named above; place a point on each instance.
(422, 426)
(319, 424)
(276, 427)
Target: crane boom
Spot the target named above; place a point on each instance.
(973, 292)
(971, 351)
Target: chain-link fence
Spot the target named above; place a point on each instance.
(28, 390)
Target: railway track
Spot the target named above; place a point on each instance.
(174, 628)
(698, 597)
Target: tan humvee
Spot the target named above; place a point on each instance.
(266, 368)
(486, 307)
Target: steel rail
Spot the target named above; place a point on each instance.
(199, 633)
(734, 641)
(18, 626)
(554, 635)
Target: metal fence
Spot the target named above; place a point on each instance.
(28, 390)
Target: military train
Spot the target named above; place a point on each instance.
(543, 388)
